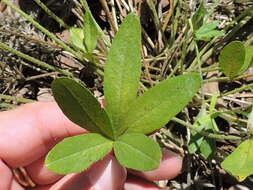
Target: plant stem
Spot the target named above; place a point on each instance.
(156, 19)
(52, 36)
(227, 78)
(44, 30)
(41, 76)
(237, 90)
(173, 4)
(238, 18)
(216, 79)
(54, 16)
(7, 106)
(30, 38)
(33, 60)
(11, 98)
(210, 135)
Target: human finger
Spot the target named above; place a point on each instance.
(138, 183)
(105, 174)
(31, 131)
(40, 174)
(7, 180)
(169, 168)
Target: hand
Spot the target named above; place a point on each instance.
(30, 131)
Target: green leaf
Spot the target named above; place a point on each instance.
(158, 105)
(81, 107)
(86, 38)
(198, 17)
(213, 102)
(248, 59)
(239, 163)
(91, 33)
(77, 37)
(196, 138)
(232, 59)
(207, 31)
(123, 68)
(137, 151)
(249, 55)
(75, 154)
(208, 145)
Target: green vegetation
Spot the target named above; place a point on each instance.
(122, 125)
(183, 72)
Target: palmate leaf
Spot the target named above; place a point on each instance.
(239, 163)
(75, 154)
(81, 107)
(206, 146)
(137, 151)
(123, 68)
(208, 31)
(158, 105)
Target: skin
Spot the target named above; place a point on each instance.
(30, 131)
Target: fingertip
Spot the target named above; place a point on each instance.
(107, 174)
(170, 167)
(138, 183)
(40, 174)
(104, 174)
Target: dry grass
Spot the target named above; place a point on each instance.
(167, 51)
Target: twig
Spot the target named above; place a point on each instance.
(125, 5)
(33, 60)
(109, 16)
(44, 30)
(210, 135)
(114, 14)
(30, 38)
(41, 76)
(156, 19)
(227, 78)
(54, 16)
(173, 4)
(11, 98)
(236, 90)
